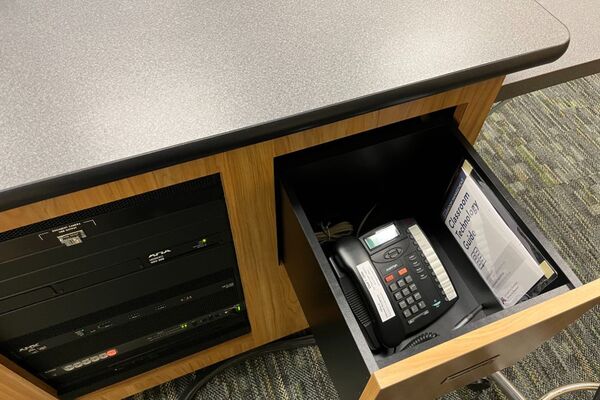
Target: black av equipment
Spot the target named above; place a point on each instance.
(99, 295)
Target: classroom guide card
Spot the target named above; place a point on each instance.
(506, 266)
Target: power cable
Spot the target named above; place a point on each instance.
(289, 344)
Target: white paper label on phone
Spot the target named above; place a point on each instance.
(376, 290)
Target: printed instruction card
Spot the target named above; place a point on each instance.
(495, 251)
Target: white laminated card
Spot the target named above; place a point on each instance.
(496, 252)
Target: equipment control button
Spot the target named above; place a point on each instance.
(410, 300)
(413, 287)
(111, 352)
(86, 361)
(95, 358)
(421, 305)
(402, 271)
(68, 367)
(397, 295)
(393, 287)
(403, 304)
(401, 283)
(414, 309)
(393, 253)
(78, 364)
(408, 279)
(389, 278)
(405, 291)
(103, 356)
(407, 313)
(417, 296)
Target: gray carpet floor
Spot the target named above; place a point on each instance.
(545, 148)
(296, 374)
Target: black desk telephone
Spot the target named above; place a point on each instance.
(399, 277)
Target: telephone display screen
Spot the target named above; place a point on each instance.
(382, 236)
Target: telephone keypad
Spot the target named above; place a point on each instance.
(414, 307)
(406, 293)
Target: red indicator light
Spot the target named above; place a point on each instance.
(111, 352)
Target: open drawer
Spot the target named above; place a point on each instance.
(405, 169)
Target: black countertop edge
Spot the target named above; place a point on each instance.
(537, 82)
(78, 180)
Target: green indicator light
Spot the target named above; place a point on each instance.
(183, 326)
(238, 308)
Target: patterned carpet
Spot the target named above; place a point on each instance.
(287, 374)
(545, 148)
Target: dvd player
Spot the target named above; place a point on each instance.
(102, 294)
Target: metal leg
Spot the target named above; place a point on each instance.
(576, 387)
(506, 386)
(514, 394)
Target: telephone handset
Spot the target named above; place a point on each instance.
(400, 278)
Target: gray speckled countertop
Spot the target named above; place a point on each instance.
(90, 92)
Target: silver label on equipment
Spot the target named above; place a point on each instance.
(72, 238)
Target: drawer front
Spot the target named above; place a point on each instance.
(480, 352)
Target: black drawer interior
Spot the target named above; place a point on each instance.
(404, 169)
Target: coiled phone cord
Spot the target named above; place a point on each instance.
(422, 338)
(329, 233)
